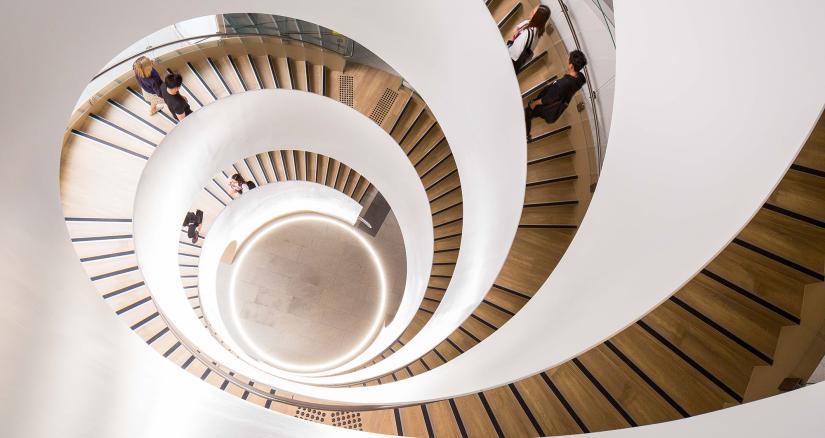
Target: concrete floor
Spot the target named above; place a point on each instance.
(307, 293)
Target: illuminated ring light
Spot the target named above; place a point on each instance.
(377, 322)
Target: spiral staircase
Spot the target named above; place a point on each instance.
(744, 313)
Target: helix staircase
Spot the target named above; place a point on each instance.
(721, 331)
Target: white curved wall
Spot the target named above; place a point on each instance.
(96, 350)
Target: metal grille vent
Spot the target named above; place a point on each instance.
(348, 420)
(346, 88)
(383, 107)
(313, 415)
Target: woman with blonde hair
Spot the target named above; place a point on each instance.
(527, 34)
(150, 82)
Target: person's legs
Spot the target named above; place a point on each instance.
(528, 119)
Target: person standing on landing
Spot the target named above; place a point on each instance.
(150, 83)
(523, 42)
(177, 103)
(554, 98)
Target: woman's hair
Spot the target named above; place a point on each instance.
(237, 177)
(143, 67)
(539, 19)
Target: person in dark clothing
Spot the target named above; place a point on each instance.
(176, 103)
(193, 222)
(150, 83)
(553, 99)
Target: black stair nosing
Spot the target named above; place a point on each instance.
(532, 62)
(191, 286)
(439, 251)
(690, 361)
(725, 332)
(184, 265)
(809, 170)
(286, 165)
(443, 263)
(158, 335)
(96, 219)
(106, 256)
(421, 138)
(605, 393)
(497, 307)
(427, 424)
(794, 215)
(399, 428)
(307, 67)
(435, 166)
(99, 238)
(752, 296)
(251, 172)
(106, 143)
(188, 255)
(215, 196)
(272, 70)
(263, 169)
(442, 210)
(530, 91)
(434, 147)
(123, 108)
(360, 198)
(550, 203)
(189, 276)
(221, 187)
(567, 406)
(780, 259)
(202, 81)
(291, 73)
(441, 179)
(114, 273)
(458, 187)
(401, 114)
(410, 128)
(484, 321)
(448, 236)
(542, 182)
(653, 385)
(218, 74)
(189, 244)
(526, 409)
(324, 74)
(237, 72)
(556, 226)
(143, 322)
(193, 95)
(255, 71)
(550, 133)
(567, 153)
(509, 15)
(271, 155)
(123, 290)
(171, 349)
(140, 96)
(441, 276)
(131, 306)
(121, 129)
(512, 292)
(490, 414)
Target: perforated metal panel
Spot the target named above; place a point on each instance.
(346, 89)
(383, 106)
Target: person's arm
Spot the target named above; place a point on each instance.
(518, 45)
(180, 116)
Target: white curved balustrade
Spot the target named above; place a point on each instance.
(695, 102)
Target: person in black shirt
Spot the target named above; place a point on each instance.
(554, 98)
(193, 223)
(176, 103)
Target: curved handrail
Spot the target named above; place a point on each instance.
(202, 37)
(591, 93)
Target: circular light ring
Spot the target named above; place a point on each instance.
(375, 326)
